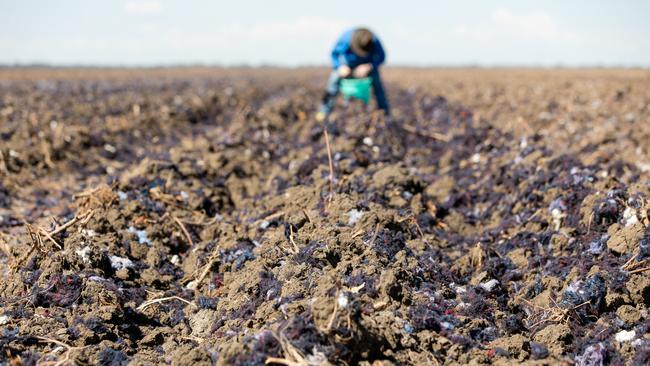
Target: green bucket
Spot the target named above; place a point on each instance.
(356, 88)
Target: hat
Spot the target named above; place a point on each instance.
(362, 43)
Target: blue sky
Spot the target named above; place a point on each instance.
(289, 32)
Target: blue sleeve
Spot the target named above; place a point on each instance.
(378, 55)
(340, 49)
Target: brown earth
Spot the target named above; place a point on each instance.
(190, 216)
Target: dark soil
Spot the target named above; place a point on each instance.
(193, 221)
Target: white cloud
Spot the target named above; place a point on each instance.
(504, 25)
(304, 39)
(148, 27)
(535, 25)
(299, 28)
(143, 7)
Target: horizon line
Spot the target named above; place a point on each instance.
(187, 65)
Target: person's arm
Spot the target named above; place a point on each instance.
(378, 55)
(338, 53)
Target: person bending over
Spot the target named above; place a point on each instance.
(358, 53)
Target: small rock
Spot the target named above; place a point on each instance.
(122, 274)
(555, 337)
(191, 357)
(4, 320)
(538, 351)
(625, 239)
(629, 314)
(201, 322)
(109, 356)
(519, 257)
(591, 291)
(155, 337)
(615, 299)
(514, 346)
(639, 288)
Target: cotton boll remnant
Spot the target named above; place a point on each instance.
(316, 358)
(354, 216)
(596, 247)
(4, 320)
(264, 225)
(490, 285)
(629, 216)
(142, 235)
(83, 254)
(625, 336)
(557, 209)
(476, 158)
(118, 263)
(89, 233)
(594, 355)
(342, 301)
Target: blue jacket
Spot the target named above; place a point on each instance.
(342, 53)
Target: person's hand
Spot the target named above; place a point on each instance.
(344, 71)
(362, 70)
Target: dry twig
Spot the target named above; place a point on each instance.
(206, 269)
(4, 247)
(639, 270)
(67, 355)
(184, 230)
(292, 356)
(554, 314)
(374, 235)
(3, 164)
(148, 303)
(431, 135)
(330, 323)
(304, 211)
(331, 166)
(631, 266)
(269, 217)
(295, 246)
(82, 218)
(46, 234)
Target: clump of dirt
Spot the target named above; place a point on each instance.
(198, 221)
